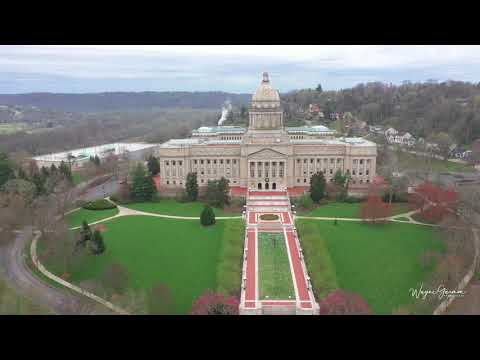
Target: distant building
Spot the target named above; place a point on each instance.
(79, 157)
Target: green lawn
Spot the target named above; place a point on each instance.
(174, 207)
(346, 210)
(12, 128)
(180, 254)
(275, 278)
(379, 262)
(410, 161)
(76, 218)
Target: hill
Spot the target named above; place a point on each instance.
(119, 101)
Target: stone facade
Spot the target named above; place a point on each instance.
(267, 155)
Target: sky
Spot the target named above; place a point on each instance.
(229, 68)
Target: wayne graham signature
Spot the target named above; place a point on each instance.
(441, 292)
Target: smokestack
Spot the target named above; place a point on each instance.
(226, 108)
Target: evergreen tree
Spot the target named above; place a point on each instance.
(22, 174)
(85, 234)
(153, 165)
(39, 182)
(66, 171)
(97, 245)
(44, 172)
(207, 217)
(223, 192)
(96, 160)
(53, 169)
(192, 186)
(143, 188)
(317, 186)
(6, 169)
(339, 179)
(149, 188)
(138, 182)
(217, 193)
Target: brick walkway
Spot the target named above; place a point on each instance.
(273, 202)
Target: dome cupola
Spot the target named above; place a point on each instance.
(265, 96)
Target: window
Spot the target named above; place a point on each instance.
(228, 161)
(355, 161)
(180, 163)
(173, 162)
(304, 161)
(168, 182)
(367, 172)
(298, 161)
(304, 180)
(221, 161)
(298, 180)
(195, 162)
(214, 161)
(234, 161)
(174, 182)
(201, 162)
(353, 172)
(331, 171)
(332, 161)
(361, 161)
(208, 161)
(167, 163)
(311, 161)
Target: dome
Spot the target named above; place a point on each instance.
(266, 96)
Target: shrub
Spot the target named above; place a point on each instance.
(207, 217)
(341, 302)
(352, 200)
(306, 202)
(215, 304)
(97, 245)
(101, 204)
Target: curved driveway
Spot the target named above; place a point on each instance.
(18, 275)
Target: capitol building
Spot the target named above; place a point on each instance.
(266, 155)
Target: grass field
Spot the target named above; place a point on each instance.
(275, 278)
(183, 255)
(76, 218)
(174, 207)
(379, 262)
(346, 210)
(12, 128)
(407, 161)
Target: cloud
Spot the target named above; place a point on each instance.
(234, 68)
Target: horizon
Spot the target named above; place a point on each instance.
(236, 69)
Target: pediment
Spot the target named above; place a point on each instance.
(266, 154)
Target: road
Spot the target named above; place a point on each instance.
(17, 274)
(101, 191)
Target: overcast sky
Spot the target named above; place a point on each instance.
(235, 68)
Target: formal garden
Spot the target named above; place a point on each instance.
(130, 260)
(176, 266)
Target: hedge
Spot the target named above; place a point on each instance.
(101, 204)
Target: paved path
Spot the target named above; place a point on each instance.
(124, 211)
(83, 292)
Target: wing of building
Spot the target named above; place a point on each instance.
(266, 155)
